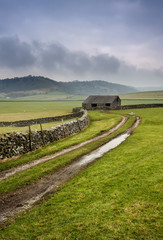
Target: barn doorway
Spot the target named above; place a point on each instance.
(93, 105)
(107, 104)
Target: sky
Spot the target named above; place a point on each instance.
(119, 41)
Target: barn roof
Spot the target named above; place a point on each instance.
(100, 99)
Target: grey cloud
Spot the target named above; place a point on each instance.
(53, 57)
(58, 62)
(67, 64)
(15, 54)
(104, 63)
(58, 58)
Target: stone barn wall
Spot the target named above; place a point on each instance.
(16, 143)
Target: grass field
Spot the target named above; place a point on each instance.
(136, 101)
(14, 111)
(143, 95)
(118, 197)
(52, 96)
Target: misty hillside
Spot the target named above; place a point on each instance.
(32, 85)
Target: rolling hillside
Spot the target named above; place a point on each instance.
(36, 85)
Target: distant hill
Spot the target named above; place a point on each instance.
(143, 95)
(36, 85)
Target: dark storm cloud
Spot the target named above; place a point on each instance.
(15, 54)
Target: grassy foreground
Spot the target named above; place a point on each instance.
(118, 197)
(33, 174)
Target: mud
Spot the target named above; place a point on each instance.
(11, 172)
(21, 199)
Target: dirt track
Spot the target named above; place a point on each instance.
(11, 172)
(25, 197)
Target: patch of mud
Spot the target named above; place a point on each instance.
(11, 172)
(24, 198)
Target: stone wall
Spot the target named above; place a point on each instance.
(16, 143)
(24, 123)
(113, 107)
(154, 105)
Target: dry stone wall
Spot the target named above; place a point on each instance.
(153, 105)
(16, 143)
(24, 123)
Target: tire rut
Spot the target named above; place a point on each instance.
(12, 171)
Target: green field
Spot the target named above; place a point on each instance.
(52, 96)
(14, 111)
(136, 101)
(117, 197)
(143, 95)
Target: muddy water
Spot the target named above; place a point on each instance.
(102, 150)
(24, 198)
(11, 172)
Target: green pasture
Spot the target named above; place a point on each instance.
(117, 197)
(51, 96)
(14, 111)
(143, 95)
(142, 101)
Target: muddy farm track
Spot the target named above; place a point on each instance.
(11, 172)
(15, 202)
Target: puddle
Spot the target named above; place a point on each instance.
(102, 150)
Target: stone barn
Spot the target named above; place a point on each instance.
(105, 102)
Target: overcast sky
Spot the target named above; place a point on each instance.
(119, 41)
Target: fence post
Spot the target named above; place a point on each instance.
(30, 139)
(64, 129)
(42, 134)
